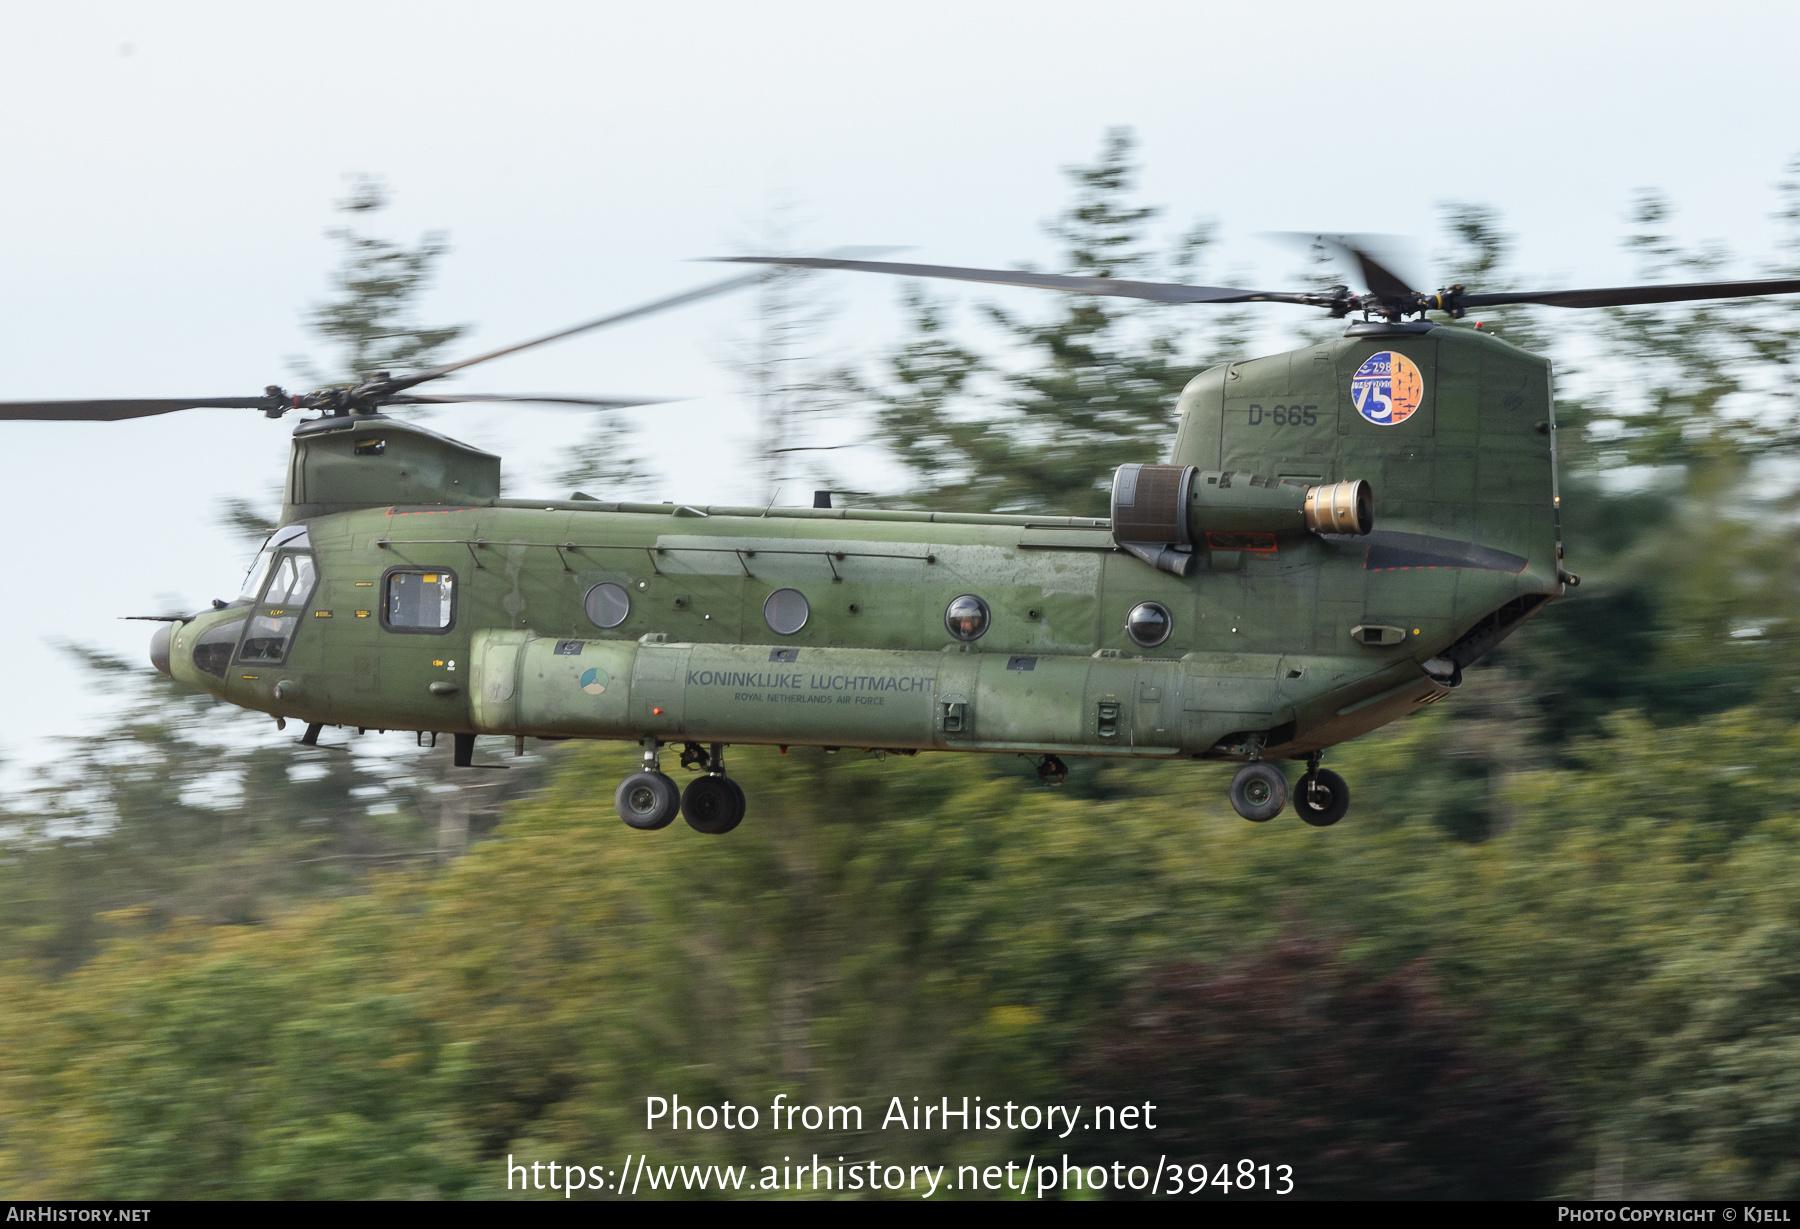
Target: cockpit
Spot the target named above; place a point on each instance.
(276, 589)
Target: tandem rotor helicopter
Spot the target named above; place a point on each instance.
(1339, 531)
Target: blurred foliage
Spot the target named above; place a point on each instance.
(1549, 953)
(371, 322)
(248, 521)
(1041, 425)
(1364, 1081)
(181, 807)
(783, 365)
(605, 463)
(1612, 968)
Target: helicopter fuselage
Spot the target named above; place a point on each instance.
(434, 605)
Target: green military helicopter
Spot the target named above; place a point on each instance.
(1339, 532)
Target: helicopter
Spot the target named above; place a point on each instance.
(1338, 533)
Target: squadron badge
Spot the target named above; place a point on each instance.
(1387, 388)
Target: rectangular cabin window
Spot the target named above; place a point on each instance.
(419, 601)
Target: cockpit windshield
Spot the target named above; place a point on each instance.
(259, 572)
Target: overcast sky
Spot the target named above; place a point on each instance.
(170, 170)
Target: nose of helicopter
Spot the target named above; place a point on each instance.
(159, 648)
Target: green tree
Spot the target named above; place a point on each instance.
(371, 321)
(606, 463)
(879, 929)
(370, 324)
(183, 807)
(1042, 425)
(249, 522)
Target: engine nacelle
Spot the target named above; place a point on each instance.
(1164, 513)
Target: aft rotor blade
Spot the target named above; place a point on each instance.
(1374, 257)
(1625, 296)
(603, 403)
(632, 313)
(113, 411)
(1158, 292)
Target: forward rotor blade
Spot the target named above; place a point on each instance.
(1157, 292)
(113, 411)
(1625, 296)
(603, 403)
(632, 313)
(643, 309)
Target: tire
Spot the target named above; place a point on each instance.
(1333, 794)
(1259, 792)
(647, 801)
(713, 805)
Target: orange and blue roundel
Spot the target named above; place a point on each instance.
(1387, 388)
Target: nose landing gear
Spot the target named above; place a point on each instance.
(1051, 770)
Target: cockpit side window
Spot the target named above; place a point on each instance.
(272, 624)
(292, 582)
(268, 638)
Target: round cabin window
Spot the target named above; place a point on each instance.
(1149, 624)
(966, 617)
(607, 604)
(786, 611)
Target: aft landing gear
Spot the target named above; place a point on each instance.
(1322, 797)
(1259, 792)
(713, 804)
(647, 799)
(1052, 771)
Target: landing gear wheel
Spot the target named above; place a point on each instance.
(713, 805)
(1052, 771)
(1259, 792)
(647, 801)
(1321, 798)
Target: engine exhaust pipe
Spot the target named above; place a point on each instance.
(1342, 507)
